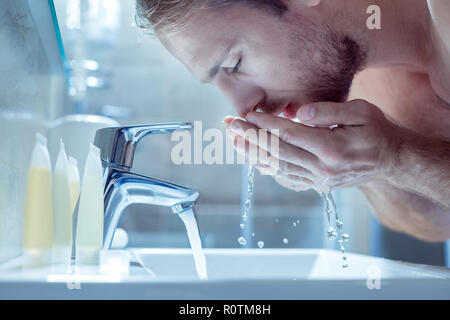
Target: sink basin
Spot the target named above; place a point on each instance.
(280, 264)
(235, 274)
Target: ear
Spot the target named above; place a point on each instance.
(311, 3)
(303, 3)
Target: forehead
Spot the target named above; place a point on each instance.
(210, 33)
(203, 38)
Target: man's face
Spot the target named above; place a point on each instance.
(262, 61)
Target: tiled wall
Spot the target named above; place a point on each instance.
(25, 104)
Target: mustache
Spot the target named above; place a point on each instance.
(270, 107)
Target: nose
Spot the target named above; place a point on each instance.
(244, 97)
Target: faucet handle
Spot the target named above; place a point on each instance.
(117, 145)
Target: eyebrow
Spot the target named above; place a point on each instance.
(214, 70)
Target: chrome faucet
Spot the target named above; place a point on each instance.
(123, 188)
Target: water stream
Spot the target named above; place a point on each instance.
(251, 183)
(332, 233)
(190, 222)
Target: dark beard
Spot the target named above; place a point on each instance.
(341, 58)
(335, 85)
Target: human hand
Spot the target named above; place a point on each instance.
(363, 147)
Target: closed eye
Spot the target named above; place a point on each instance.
(237, 67)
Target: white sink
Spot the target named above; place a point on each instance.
(280, 264)
(235, 274)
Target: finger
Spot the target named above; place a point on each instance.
(274, 167)
(250, 132)
(265, 170)
(293, 183)
(299, 174)
(250, 153)
(286, 153)
(297, 134)
(292, 169)
(227, 120)
(352, 113)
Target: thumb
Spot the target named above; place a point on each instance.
(352, 113)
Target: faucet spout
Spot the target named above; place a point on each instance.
(125, 188)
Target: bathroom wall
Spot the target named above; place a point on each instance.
(30, 94)
(145, 84)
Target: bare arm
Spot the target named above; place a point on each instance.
(408, 212)
(424, 168)
(416, 198)
(440, 13)
(406, 176)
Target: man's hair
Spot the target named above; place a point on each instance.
(165, 16)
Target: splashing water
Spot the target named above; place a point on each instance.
(251, 184)
(190, 222)
(261, 244)
(332, 233)
(242, 241)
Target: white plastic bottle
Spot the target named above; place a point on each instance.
(62, 210)
(89, 239)
(38, 222)
(74, 177)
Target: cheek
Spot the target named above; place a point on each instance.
(282, 80)
(276, 72)
(316, 58)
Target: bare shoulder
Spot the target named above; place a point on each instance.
(440, 13)
(439, 70)
(406, 98)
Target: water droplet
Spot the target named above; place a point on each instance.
(251, 172)
(253, 234)
(298, 221)
(247, 204)
(244, 218)
(332, 234)
(242, 241)
(294, 224)
(285, 241)
(276, 220)
(260, 244)
(242, 226)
